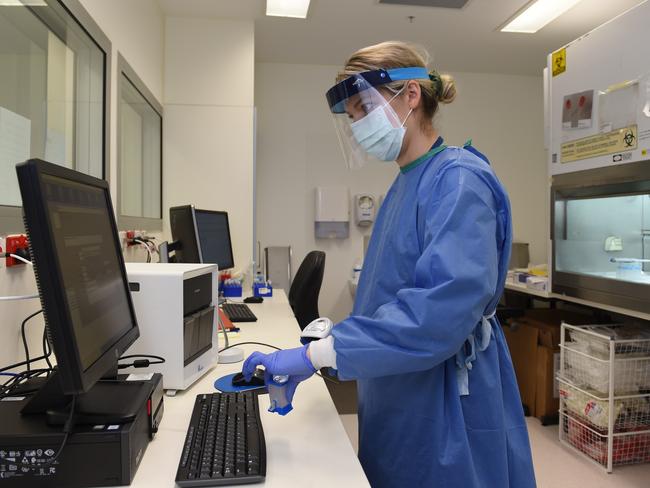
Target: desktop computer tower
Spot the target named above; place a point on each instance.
(176, 307)
(94, 455)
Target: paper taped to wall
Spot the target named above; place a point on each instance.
(577, 110)
(618, 106)
(15, 139)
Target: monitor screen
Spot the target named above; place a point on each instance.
(79, 270)
(214, 238)
(92, 279)
(183, 227)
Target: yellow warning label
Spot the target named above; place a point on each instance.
(559, 62)
(616, 141)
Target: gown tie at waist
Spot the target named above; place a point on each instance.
(478, 339)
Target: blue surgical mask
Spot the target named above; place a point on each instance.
(377, 136)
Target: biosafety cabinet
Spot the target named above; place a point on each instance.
(597, 92)
(601, 236)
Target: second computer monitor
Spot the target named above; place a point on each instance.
(201, 236)
(214, 238)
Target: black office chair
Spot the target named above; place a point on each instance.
(305, 288)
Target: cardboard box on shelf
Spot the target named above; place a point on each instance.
(522, 342)
(533, 341)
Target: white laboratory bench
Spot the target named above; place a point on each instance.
(546, 295)
(524, 289)
(308, 447)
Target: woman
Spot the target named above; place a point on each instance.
(438, 400)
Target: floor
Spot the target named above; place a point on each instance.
(556, 466)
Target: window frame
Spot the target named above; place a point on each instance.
(11, 219)
(129, 222)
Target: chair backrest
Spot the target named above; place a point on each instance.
(303, 295)
(277, 263)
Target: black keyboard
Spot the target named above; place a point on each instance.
(238, 312)
(224, 443)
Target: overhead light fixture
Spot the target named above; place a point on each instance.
(23, 3)
(287, 8)
(537, 14)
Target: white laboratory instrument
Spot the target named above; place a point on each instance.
(364, 210)
(176, 309)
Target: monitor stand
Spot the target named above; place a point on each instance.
(107, 402)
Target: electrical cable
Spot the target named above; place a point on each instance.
(141, 363)
(251, 342)
(17, 380)
(149, 240)
(18, 297)
(23, 363)
(24, 336)
(67, 430)
(19, 258)
(149, 255)
(47, 350)
(148, 356)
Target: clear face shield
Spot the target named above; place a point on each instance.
(367, 126)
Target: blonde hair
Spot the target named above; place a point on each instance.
(439, 88)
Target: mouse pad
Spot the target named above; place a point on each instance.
(225, 385)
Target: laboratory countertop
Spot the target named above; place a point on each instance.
(524, 289)
(566, 298)
(308, 447)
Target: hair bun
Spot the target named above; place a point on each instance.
(447, 91)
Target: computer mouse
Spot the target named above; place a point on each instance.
(256, 380)
(253, 300)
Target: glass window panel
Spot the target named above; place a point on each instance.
(51, 93)
(605, 237)
(140, 135)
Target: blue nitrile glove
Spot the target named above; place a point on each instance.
(290, 362)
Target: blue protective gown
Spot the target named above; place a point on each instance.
(436, 264)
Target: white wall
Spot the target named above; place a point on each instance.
(136, 29)
(208, 135)
(297, 150)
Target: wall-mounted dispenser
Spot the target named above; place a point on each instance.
(364, 210)
(332, 212)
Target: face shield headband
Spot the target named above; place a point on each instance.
(353, 85)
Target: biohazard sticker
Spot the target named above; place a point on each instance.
(614, 142)
(559, 62)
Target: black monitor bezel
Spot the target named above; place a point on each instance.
(182, 245)
(198, 236)
(74, 379)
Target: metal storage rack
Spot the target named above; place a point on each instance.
(604, 382)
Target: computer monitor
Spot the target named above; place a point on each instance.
(214, 238)
(184, 235)
(79, 270)
(201, 236)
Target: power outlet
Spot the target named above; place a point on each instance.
(13, 244)
(131, 235)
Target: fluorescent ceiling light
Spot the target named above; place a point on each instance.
(537, 14)
(287, 8)
(21, 3)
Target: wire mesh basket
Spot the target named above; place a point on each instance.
(627, 448)
(604, 382)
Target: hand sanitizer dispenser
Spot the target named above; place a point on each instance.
(364, 210)
(332, 212)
